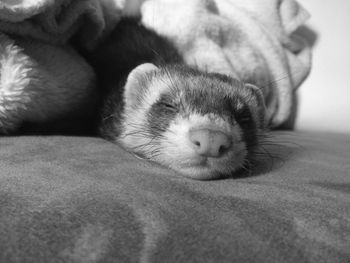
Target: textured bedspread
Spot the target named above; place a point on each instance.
(79, 199)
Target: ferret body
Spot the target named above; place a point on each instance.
(203, 125)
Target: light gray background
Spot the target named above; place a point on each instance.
(325, 96)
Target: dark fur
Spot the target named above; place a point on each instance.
(130, 45)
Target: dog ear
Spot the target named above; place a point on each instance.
(256, 103)
(136, 83)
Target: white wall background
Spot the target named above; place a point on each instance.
(325, 96)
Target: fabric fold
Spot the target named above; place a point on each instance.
(42, 77)
(252, 40)
(255, 41)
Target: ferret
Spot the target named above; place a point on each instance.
(200, 124)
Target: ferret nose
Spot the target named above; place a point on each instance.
(210, 143)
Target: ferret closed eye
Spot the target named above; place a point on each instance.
(203, 125)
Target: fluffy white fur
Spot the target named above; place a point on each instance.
(40, 82)
(15, 71)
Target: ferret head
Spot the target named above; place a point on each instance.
(203, 125)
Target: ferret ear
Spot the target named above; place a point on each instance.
(256, 103)
(137, 82)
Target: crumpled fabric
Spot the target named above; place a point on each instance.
(253, 40)
(57, 21)
(42, 77)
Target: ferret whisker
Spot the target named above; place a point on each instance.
(247, 166)
(171, 100)
(109, 116)
(270, 155)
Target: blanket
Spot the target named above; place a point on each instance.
(81, 199)
(41, 82)
(57, 21)
(42, 77)
(254, 41)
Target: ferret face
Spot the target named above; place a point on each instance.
(204, 126)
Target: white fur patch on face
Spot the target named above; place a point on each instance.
(177, 151)
(134, 136)
(174, 148)
(156, 88)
